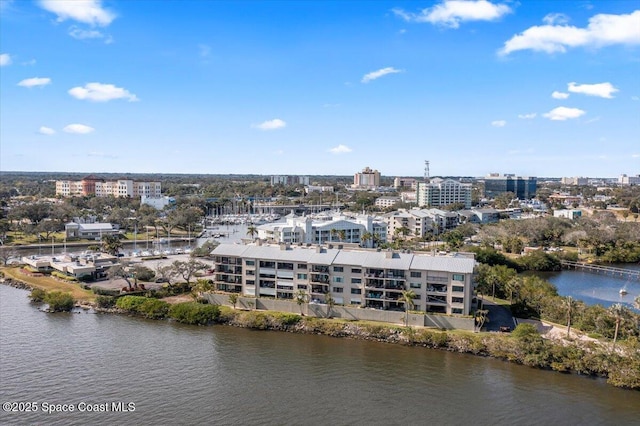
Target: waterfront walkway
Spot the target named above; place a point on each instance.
(623, 273)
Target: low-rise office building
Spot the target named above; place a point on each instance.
(358, 278)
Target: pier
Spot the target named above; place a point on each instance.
(627, 274)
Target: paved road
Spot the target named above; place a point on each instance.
(499, 316)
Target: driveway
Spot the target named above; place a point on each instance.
(499, 316)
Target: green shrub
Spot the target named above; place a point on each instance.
(154, 309)
(59, 301)
(105, 301)
(105, 291)
(37, 295)
(144, 306)
(130, 303)
(194, 313)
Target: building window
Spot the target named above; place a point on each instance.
(356, 280)
(457, 299)
(302, 266)
(356, 291)
(457, 288)
(356, 270)
(415, 274)
(416, 307)
(458, 277)
(250, 262)
(337, 289)
(250, 282)
(415, 285)
(251, 272)
(338, 269)
(338, 279)
(456, 311)
(302, 287)
(302, 276)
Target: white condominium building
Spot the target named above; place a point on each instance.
(362, 278)
(442, 192)
(360, 229)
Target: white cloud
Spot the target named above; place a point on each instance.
(35, 81)
(81, 34)
(86, 11)
(602, 90)
(602, 30)
(559, 95)
(79, 129)
(635, 98)
(450, 13)
(499, 123)
(528, 116)
(46, 131)
(564, 113)
(556, 19)
(635, 155)
(340, 149)
(30, 62)
(98, 92)
(274, 124)
(380, 73)
(5, 59)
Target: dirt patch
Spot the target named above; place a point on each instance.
(181, 298)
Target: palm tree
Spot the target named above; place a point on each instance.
(512, 286)
(407, 298)
(301, 298)
(111, 244)
(333, 233)
(636, 302)
(342, 234)
(252, 231)
(618, 312)
(366, 237)
(233, 299)
(571, 305)
(330, 301)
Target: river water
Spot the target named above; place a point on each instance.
(176, 374)
(596, 288)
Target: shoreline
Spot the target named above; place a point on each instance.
(570, 357)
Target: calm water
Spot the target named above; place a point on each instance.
(222, 375)
(595, 288)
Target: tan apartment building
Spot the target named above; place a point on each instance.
(93, 185)
(359, 278)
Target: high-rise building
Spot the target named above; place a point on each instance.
(289, 180)
(366, 179)
(441, 192)
(629, 180)
(523, 187)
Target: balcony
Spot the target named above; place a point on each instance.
(319, 289)
(374, 295)
(320, 278)
(437, 289)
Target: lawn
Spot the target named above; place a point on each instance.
(49, 284)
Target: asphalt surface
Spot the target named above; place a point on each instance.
(499, 316)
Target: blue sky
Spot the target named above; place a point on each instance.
(540, 88)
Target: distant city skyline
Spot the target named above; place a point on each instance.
(544, 88)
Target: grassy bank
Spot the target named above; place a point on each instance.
(48, 283)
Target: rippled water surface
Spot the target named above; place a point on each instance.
(178, 374)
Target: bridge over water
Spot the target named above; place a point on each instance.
(627, 274)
